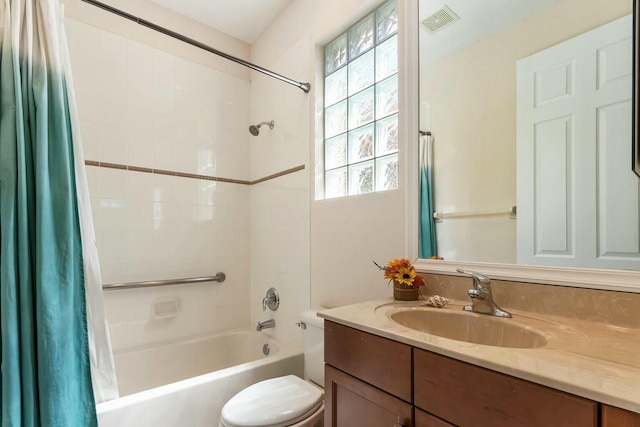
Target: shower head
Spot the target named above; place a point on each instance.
(255, 129)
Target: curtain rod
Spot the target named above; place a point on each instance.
(304, 86)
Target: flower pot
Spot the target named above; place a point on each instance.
(405, 293)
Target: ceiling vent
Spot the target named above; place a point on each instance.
(440, 19)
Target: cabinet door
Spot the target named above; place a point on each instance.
(616, 417)
(424, 419)
(350, 402)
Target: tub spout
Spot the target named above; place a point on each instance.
(266, 325)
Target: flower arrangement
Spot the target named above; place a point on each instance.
(402, 273)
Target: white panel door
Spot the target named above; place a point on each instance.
(578, 200)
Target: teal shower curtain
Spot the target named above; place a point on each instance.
(427, 237)
(46, 356)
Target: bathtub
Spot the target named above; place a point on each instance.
(186, 383)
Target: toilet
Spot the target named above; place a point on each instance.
(287, 401)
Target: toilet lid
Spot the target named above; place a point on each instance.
(278, 402)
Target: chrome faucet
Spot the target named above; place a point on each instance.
(266, 325)
(481, 296)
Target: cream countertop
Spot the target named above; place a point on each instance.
(592, 360)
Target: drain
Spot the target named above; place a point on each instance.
(266, 349)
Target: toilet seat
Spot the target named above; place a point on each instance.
(278, 402)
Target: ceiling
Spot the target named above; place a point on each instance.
(243, 19)
(247, 19)
(478, 19)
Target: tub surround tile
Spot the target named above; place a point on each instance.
(172, 178)
(140, 186)
(133, 323)
(227, 317)
(155, 125)
(111, 96)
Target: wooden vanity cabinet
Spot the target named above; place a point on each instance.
(356, 403)
(367, 379)
(425, 419)
(373, 381)
(381, 362)
(616, 417)
(468, 395)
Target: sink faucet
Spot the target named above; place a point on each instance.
(481, 296)
(266, 325)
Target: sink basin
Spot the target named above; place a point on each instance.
(470, 327)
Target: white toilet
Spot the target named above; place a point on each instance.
(286, 401)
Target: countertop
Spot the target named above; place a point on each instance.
(592, 360)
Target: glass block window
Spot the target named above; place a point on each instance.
(361, 106)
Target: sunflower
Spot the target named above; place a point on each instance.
(405, 276)
(401, 271)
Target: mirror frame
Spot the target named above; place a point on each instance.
(636, 88)
(611, 280)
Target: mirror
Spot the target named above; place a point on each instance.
(530, 132)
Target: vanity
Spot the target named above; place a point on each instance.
(385, 367)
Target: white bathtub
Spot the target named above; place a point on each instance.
(185, 384)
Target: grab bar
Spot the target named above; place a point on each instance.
(441, 216)
(220, 277)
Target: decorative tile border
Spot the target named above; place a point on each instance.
(278, 174)
(191, 175)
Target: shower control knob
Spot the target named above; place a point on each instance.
(271, 300)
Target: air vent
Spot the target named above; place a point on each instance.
(440, 19)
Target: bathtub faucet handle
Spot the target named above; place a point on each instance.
(271, 300)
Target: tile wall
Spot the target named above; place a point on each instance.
(280, 245)
(141, 106)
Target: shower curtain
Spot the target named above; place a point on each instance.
(56, 360)
(427, 235)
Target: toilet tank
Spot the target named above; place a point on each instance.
(313, 347)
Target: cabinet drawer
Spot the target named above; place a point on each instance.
(468, 395)
(422, 419)
(350, 402)
(381, 362)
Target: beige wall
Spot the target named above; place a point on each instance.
(472, 98)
